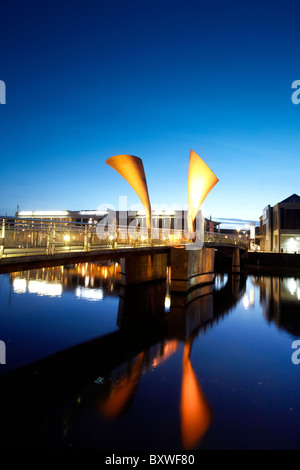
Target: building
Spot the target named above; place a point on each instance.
(160, 219)
(77, 217)
(280, 226)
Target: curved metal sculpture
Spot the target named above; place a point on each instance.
(200, 181)
(132, 170)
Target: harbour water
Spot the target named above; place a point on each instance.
(90, 364)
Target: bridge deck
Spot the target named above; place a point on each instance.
(25, 242)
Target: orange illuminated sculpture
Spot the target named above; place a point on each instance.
(200, 181)
(132, 170)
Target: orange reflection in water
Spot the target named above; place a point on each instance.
(168, 349)
(121, 393)
(195, 412)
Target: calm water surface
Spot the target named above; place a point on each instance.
(141, 368)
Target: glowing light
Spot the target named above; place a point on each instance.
(200, 182)
(93, 213)
(67, 238)
(132, 170)
(50, 213)
(25, 213)
(292, 244)
(167, 302)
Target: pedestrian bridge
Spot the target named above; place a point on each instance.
(145, 255)
(27, 238)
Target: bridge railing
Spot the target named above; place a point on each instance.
(21, 237)
(226, 239)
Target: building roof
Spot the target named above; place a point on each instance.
(293, 199)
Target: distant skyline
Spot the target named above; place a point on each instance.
(89, 80)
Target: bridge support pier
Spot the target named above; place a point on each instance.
(138, 269)
(191, 268)
(236, 262)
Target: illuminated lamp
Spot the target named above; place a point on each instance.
(132, 170)
(200, 181)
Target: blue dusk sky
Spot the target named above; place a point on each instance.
(86, 80)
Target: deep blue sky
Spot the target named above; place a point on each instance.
(90, 79)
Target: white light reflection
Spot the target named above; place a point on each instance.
(292, 286)
(252, 297)
(89, 294)
(246, 301)
(220, 281)
(19, 285)
(45, 288)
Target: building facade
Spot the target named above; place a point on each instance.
(160, 219)
(280, 226)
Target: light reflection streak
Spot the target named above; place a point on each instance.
(120, 394)
(89, 294)
(195, 412)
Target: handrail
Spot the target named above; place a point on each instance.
(21, 237)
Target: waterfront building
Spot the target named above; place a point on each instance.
(160, 219)
(280, 226)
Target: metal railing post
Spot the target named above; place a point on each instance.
(2, 238)
(52, 243)
(85, 238)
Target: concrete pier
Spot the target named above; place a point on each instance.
(191, 268)
(143, 268)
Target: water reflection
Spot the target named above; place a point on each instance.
(149, 335)
(280, 299)
(195, 411)
(114, 404)
(96, 384)
(91, 281)
(220, 280)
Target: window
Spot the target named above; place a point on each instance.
(292, 219)
(275, 220)
(282, 218)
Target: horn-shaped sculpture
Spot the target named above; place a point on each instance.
(200, 181)
(132, 170)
